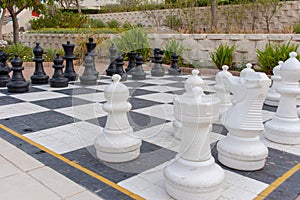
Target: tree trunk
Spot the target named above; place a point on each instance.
(15, 25)
(78, 6)
(1, 22)
(213, 9)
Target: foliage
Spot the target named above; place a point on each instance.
(173, 22)
(113, 24)
(170, 47)
(50, 54)
(272, 54)
(97, 23)
(127, 25)
(223, 55)
(59, 20)
(79, 31)
(16, 7)
(24, 52)
(80, 48)
(133, 40)
(297, 28)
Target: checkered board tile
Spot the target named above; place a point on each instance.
(67, 121)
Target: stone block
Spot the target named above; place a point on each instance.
(279, 37)
(255, 37)
(216, 36)
(235, 37)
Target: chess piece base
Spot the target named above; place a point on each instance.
(194, 180)
(4, 81)
(173, 72)
(17, 87)
(247, 154)
(112, 146)
(71, 77)
(39, 79)
(88, 80)
(157, 73)
(59, 83)
(272, 98)
(138, 76)
(283, 131)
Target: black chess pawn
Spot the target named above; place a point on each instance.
(90, 46)
(131, 64)
(4, 69)
(17, 83)
(39, 76)
(113, 56)
(119, 68)
(174, 68)
(69, 57)
(88, 77)
(138, 72)
(58, 79)
(157, 69)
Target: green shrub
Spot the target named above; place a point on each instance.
(50, 54)
(173, 22)
(297, 28)
(24, 52)
(98, 23)
(133, 40)
(113, 24)
(59, 20)
(223, 55)
(172, 46)
(127, 25)
(269, 57)
(78, 30)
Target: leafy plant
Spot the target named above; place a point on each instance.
(24, 52)
(97, 23)
(133, 40)
(173, 22)
(113, 24)
(297, 28)
(170, 47)
(223, 55)
(269, 57)
(78, 30)
(127, 25)
(50, 54)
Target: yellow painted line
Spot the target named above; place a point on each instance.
(73, 164)
(277, 183)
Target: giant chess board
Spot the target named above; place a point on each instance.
(66, 121)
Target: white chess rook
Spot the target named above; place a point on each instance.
(193, 81)
(273, 96)
(194, 174)
(116, 142)
(284, 127)
(221, 92)
(242, 149)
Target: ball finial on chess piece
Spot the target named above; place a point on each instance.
(293, 54)
(225, 67)
(116, 78)
(195, 72)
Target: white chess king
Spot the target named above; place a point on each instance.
(242, 149)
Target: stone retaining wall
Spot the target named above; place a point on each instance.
(229, 18)
(198, 46)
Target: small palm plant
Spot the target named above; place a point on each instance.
(170, 47)
(24, 52)
(223, 55)
(269, 57)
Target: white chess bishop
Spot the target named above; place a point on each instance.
(284, 127)
(273, 96)
(193, 81)
(221, 92)
(242, 149)
(116, 142)
(194, 175)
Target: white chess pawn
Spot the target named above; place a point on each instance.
(193, 81)
(221, 92)
(284, 127)
(246, 70)
(273, 96)
(116, 142)
(242, 149)
(194, 175)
